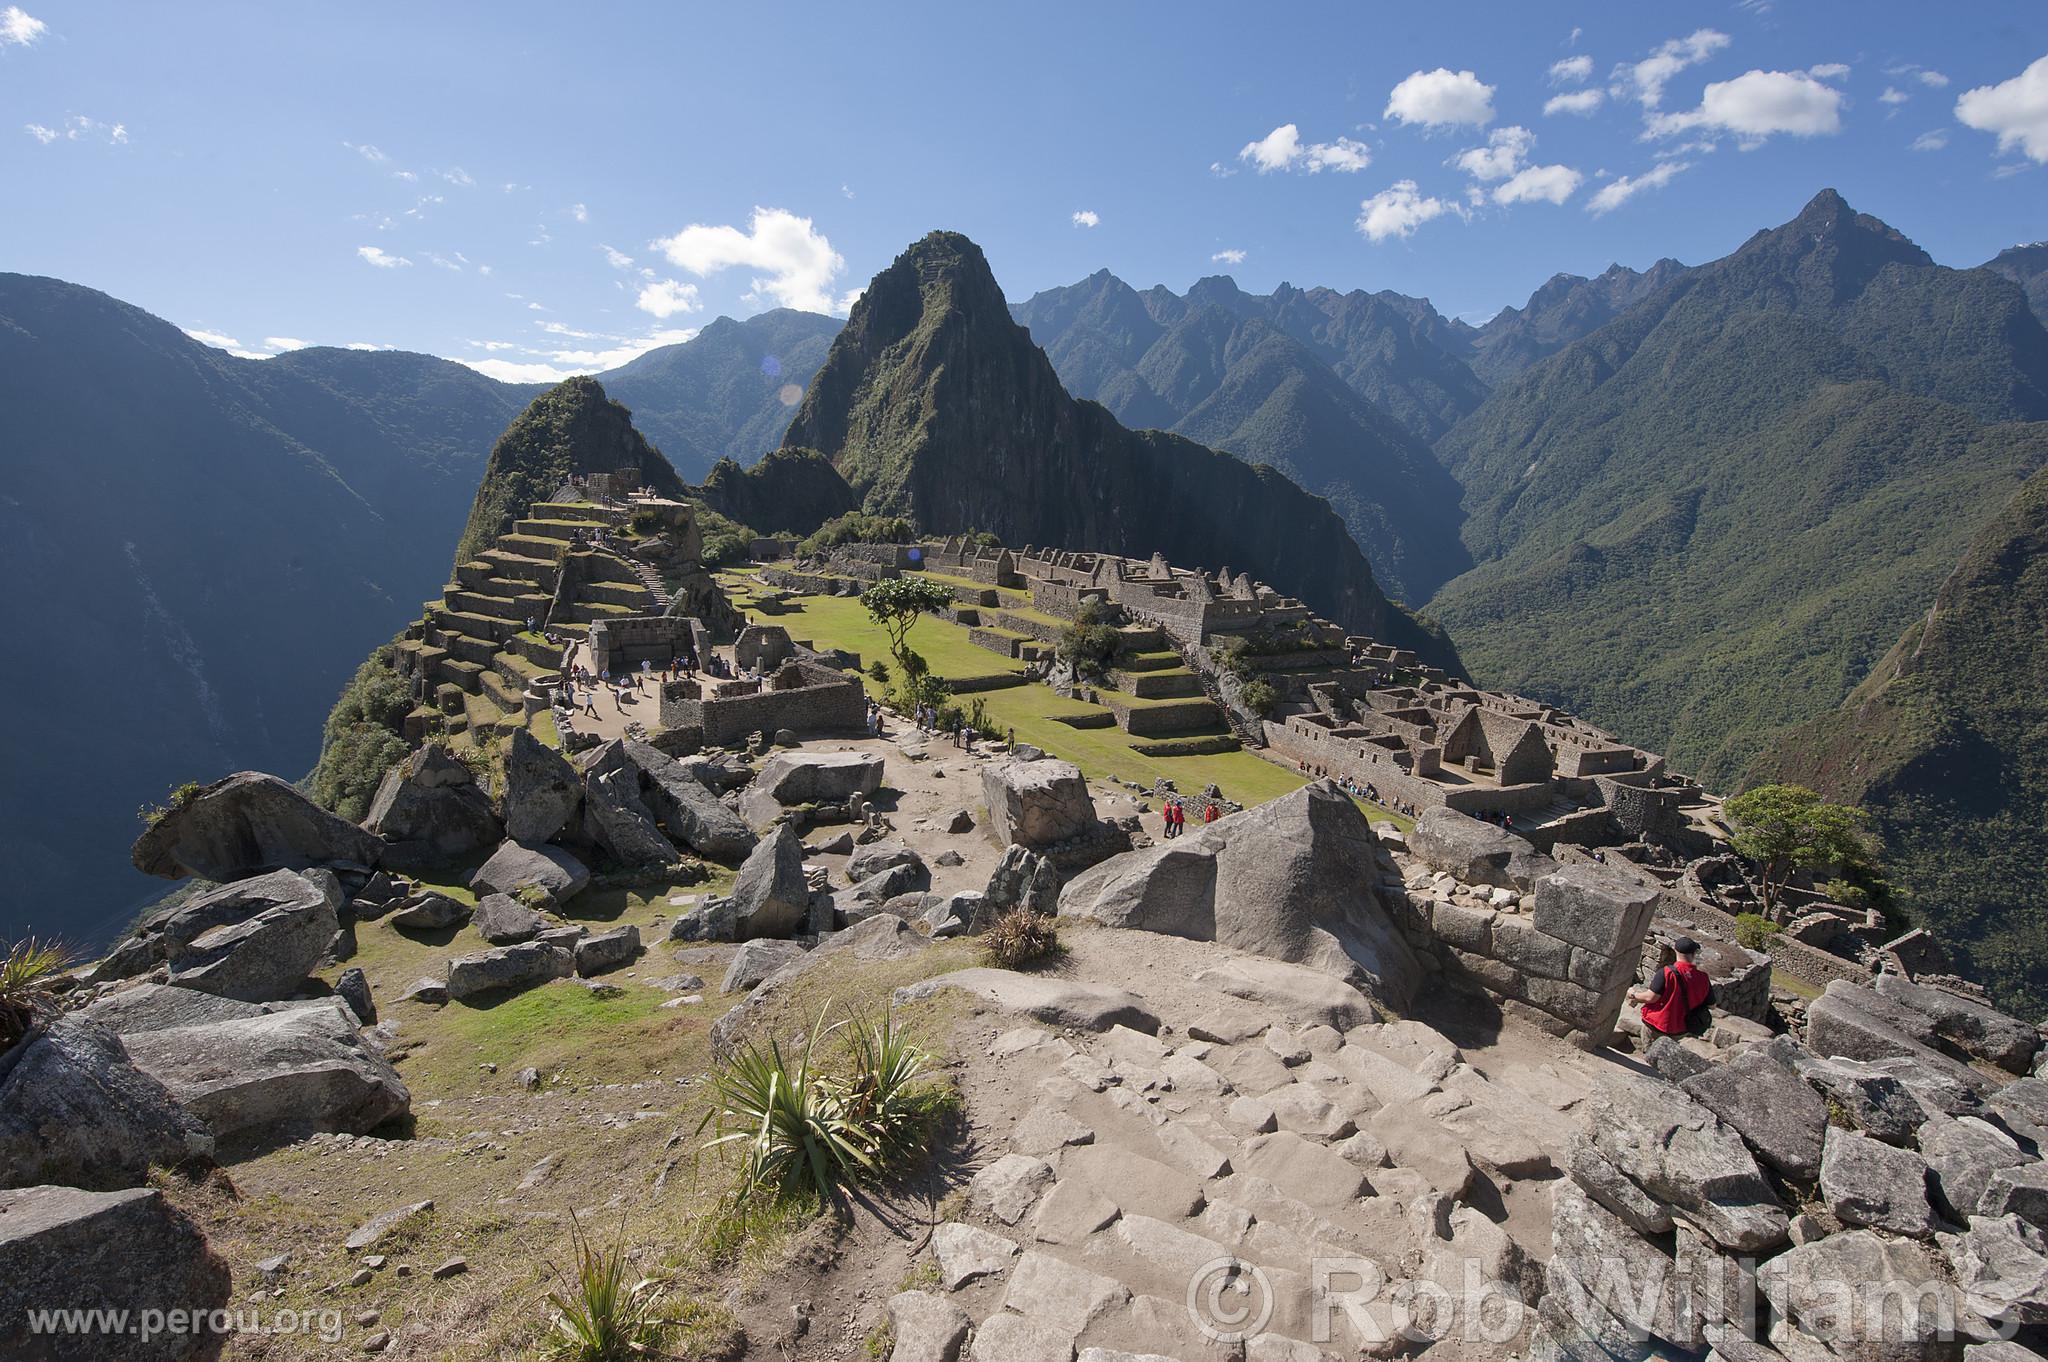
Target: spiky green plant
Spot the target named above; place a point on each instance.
(886, 1100)
(25, 976)
(789, 1121)
(598, 1317)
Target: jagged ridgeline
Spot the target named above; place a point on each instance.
(1946, 743)
(572, 428)
(934, 404)
(790, 491)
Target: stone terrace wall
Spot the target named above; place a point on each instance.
(1566, 966)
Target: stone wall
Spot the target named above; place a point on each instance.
(622, 644)
(1566, 965)
(761, 646)
(800, 696)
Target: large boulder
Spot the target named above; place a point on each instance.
(1056, 1002)
(1295, 878)
(1023, 879)
(756, 960)
(1476, 852)
(508, 967)
(283, 1075)
(688, 808)
(257, 940)
(792, 778)
(602, 952)
(1875, 1102)
(1866, 1297)
(128, 1253)
(1682, 1155)
(1984, 1031)
(876, 857)
(1868, 1182)
(542, 791)
(159, 1007)
(623, 825)
(245, 823)
(172, 931)
(1853, 1021)
(74, 1109)
(1770, 1107)
(553, 872)
(2002, 1268)
(770, 896)
(504, 921)
(1037, 804)
(429, 811)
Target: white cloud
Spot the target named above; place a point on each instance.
(1441, 99)
(564, 329)
(1229, 257)
(1398, 211)
(1500, 157)
(1934, 80)
(1622, 188)
(1571, 70)
(216, 339)
(20, 28)
(1645, 80)
(367, 345)
(1283, 149)
(1547, 184)
(1759, 103)
(382, 259)
(1930, 141)
(79, 128)
(665, 298)
(617, 259)
(409, 176)
(285, 342)
(494, 346)
(2016, 109)
(453, 264)
(796, 262)
(459, 177)
(552, 366)
(1828, 70)
(1580, 102)
(847, 190)
(368, 153)
(579, 212)
(1087, 217)
(1893, 95)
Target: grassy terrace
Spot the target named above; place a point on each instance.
(1033, 710)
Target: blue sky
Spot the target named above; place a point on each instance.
(541, 189)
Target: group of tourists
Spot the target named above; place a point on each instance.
(947, 723)
(1366, 791)
(874, 719)
(1499, 819)
(1175, 814)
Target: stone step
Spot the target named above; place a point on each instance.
(1194, 745)
(1162, 660)
(1100, 718)
(517, 609)
(467, 675)
(476, 626)
(534, 649)
(1157, 685)
(465, 647)
(507, 694)
(534, 546)
(582, 511)
(634, 596)
(1003, 641)
(1160, 718)
(541, 570)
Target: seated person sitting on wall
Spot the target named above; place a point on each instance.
(1682, 990)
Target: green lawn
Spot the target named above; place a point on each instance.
(1032, 710)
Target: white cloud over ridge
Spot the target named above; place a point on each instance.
(1229, 257)
(1645, 80)
(1397, 211)
(552, 366)
(381, 258)
(2016, 110)
(1442, 99)
(1622, 188)
(1283, 149)
(1758, 104)
(796, 263)
(665, 298)
(1087, 217)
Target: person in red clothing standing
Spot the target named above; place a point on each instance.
(1682, 989)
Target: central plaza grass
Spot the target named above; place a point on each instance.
(1031, 709)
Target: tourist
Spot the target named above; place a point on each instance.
(590, 703)
(1677, 1005)
(1210, 813)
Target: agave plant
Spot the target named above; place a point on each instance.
(25, 974)
(885, 1101)
(598, 1317)
(791, 1123)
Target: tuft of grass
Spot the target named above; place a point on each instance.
(598, 1317)
(25, 976)
(1022, 939)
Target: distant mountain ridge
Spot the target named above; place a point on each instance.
(2026, 266)
(1565, 308)
(1703, 521)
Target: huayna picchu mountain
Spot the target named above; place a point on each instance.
(934, 403)
(1704, 521)
(1946, 743)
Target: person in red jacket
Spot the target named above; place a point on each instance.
(1682, 988)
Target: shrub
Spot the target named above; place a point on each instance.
(856, 527)
(1233, 658)
(1258, 696)
(1088, 644)
(25, 986)
(598, 1317)
(363, 738)
(178, 798)
(1021, 939)
(724, 540)
(1754, 931)
(880, 671)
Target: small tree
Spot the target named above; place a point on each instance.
(899, 603)
(1786, 828)
(1089, 644)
